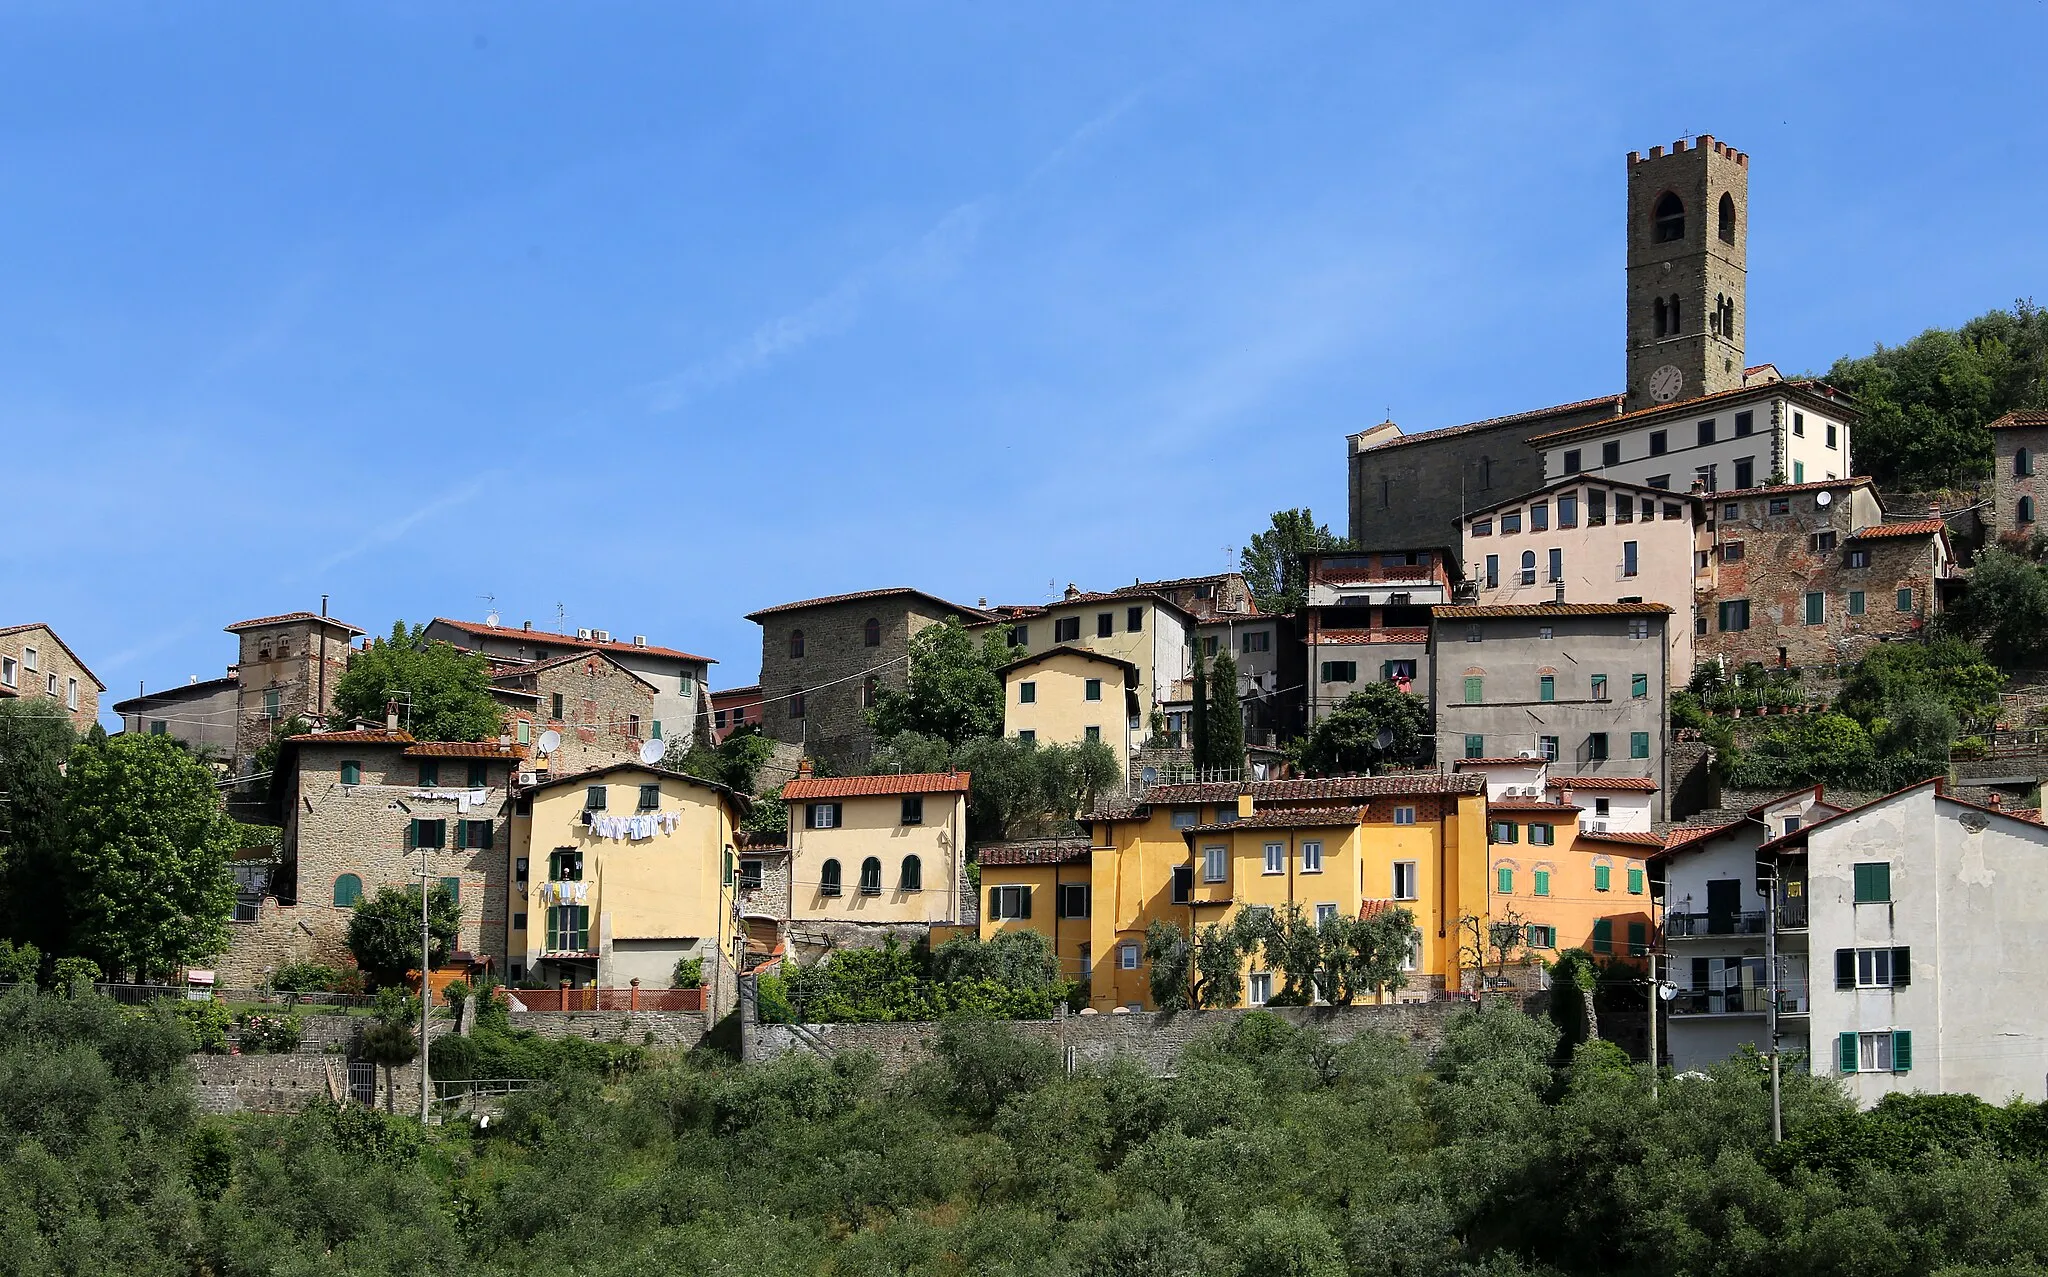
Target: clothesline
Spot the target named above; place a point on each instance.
(634, 827)
(464, 799)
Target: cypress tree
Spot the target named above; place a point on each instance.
(1226, 715)
(1198, 721)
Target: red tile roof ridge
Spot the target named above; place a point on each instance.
(465, 749)
(2018, 417)
(253, 622)
(875, 786)
(1633, 837)
(855, 596)
(1912, 528)
(535, 667)
(1034, 851)
(1643, 783)
(1490, 422)
(1528, 804)
(583, 644)
(1284, 818)
(1683, 407)
(365, 736)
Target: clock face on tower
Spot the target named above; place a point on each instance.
(1665, 383)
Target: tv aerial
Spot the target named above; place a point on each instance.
(550, 741)
(653, 751)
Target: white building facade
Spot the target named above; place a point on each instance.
(1776, 432)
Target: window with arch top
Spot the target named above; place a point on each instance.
(828, 878)
(871, 633)
(1528, 567)
(870, 688)
(1667, 218)
(796, 644)
(871, 876)
(912, 878)
(347, 890)
(1663, 318)
(1727, 218)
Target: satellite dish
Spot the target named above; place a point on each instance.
(653, 751)
(1667, 991)
(550, 741)
(1824, 499)
(492, 620)
(1384, 739)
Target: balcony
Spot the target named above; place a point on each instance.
(1745, 1000)
(1749, 922)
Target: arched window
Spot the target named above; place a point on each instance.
(796, 644)
(868, 690)
(347, 890)
(1663, 320)
(1728, 318)
(1714, 320)
(1727, 218)
(871, 876)
(2026, 511)
(913, 875)
(1667, 219)
(1676, 326)
(828, 878)
(1528, 567)
(2022, 463)
(871, 633)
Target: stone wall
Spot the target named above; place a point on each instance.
(833, 726)
(632, 1028)
(607, 713)
(1693, 787)
(267, 1083)
(281, 934)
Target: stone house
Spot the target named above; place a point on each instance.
(1585, 684)
(824, 661)
(288, 667)
(2017, 439)
(874, 855)
(764, 891)
(1366, 620)
(682, 700)
(37, 665)
(603, 711)
(1813, 575)
(201, 714)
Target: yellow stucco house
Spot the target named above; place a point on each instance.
(1042, 885)
(1066, 695)
(1571, 888)
(620, 871)
(877, 850)
(1146, 629)
(1197, 853)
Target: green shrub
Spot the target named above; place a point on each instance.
(19, 963)
(70, 973)
(490, 1053)
(689, 974)
(206, 1022)
(267, 1033)
(305, 977)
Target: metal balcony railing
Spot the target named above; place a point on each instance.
(1686, 926)
(1750, 1000)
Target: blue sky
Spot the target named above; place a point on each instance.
(661, 313)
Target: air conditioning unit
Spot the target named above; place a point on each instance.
(529, 778)
(582, 633)
(1530, 753)
(602, 636)
(1596, 826)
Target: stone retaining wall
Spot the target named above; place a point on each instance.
(632, 1028)
(266, 1083)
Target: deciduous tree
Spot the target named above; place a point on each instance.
(1346, 741)
(1271, 563)
(953, 689)
(448, 691)
(384, 931)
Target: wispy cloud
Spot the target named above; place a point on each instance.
(387, 532)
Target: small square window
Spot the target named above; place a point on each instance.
(1127, 956)
(913, 809)
(1404, 815)
(1092, 690)
(1027, 693)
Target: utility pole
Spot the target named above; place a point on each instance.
(426, 991)
(1767, 886)
(1656, 998)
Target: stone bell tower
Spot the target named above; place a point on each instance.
(1688, 234)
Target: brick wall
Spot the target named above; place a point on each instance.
(51, 661)
(601, 702)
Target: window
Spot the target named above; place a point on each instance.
(1504, 880)
(1630, 562)
(1340, 671)
(1799, 472)
(1482, 527)
(475, 835)
(1672, 510)
(824, 816)
(1542, 835)
(1215, 864)
(1092, 690)
(1889, 1051)
(1905, 600)
(1183, 884)
(1072, 898)
(1256, 641)
(1638, 939)
(347, 890)
(1413, 958)
(1667, 219)
(1325, 914)
(273, 703)
(351, 773)
(1568, 510)
(1258, 987)
(796, 702)
(1659, 445)
(1638, 686)
(1020, 636)
(1734, 615)
(1066, 629)
(1546, 687)
(1557, 565)
(1187, 817)
(1799, 424)
(1545, 633)
(1209, 645)
(871, 876)
(1528, 567)
(1855, 602)
(1831, 434)
(1745, 423)
(1311, 857)
(1823, 542)
(1816, 607)
(2025, 513)
(1473, 633)
(518, 922)
(31, 660)
(1571, 461)
(1493, 571)
(568, 929)
(1475, 690)
(727, 879)
(1475, 745)
(828, 881)
(1745, 474)
(1406, 883)
(913, 809)
(1027, 736)
(1635, 877)
(1873, 882)
(526, 729)
(8, 673)
(1511, 523)
(1603, 935)
(428, 833)
(1134, 619)
(555, 710)
(565, 864)
(1596, 746)
(796, 644)
(1539, 517)
(70, 693)
(1706, 432)
(1638, 744)
(1599, 682)
(453, 886)
(1547, 746)
(1276, 857)
(1873, 968)
(751, 874)
(1610, 453)
(1127, 956)
(1859, 558)
(1027, 693)
(1542, 877)
(1506, 831)
(1542, 937)
(1731, 551)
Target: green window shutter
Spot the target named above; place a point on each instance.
(995, 894)
(351, 773)
(1855, 602)
(412, 834)
(1813, 608)
(1639, 685)
(1873, 883)
(1542, 882)
(1635, 882)
(1546, 688)
(454, 888)
(1026, 894)
(1846, 1051)
(1638, 744)
(1475, 745)
(1902, 1051)
(1603, 935)
(1506, 881)
(1600, 873)
(1475, 690)
(1638, 939)
(728, 866)
(1905, 600)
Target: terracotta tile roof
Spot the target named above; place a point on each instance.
(751, 690)
(293, 616)
(577, 778)
(548, 636)
(893, 591)
(1339, 788)
(1887, 531)
(874, 786)
(536, 667)
(1573, 480)
(1035, 851)
(1284, 818)
(1630, 837)
(59, 640)
(1510, 611)
(1687, 407)
(368, 736)
(1643, 783)
(1780, 489)
(1069, 649)
(1754, 369)
(1529, 805)
(1687, 835)
(2015, 420)
(1445, 432)
(465, 749)
(1496, 762)
(1374, 908)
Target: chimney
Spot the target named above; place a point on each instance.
(1244, 805)
(1699, 487)
(804, 768)
(1073, 591)
(527, 626)
(639, 640)
(1934, 510)
(981, 602)
(1560, 593)
(323, 605)
(1997, 800)
(390, 716)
